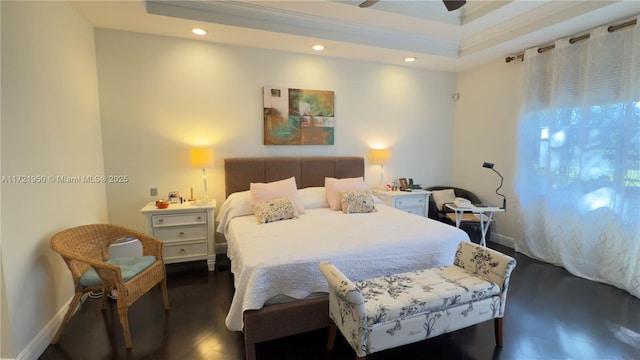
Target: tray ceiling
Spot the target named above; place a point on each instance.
(386, 32)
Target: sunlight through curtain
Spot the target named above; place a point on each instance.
(578, 181)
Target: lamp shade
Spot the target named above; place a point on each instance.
(379, 156)
(202, 158)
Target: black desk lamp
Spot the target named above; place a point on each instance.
(489, 165)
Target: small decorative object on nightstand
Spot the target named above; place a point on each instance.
(187, 231)
(414, 202)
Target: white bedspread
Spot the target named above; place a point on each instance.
(281, 258)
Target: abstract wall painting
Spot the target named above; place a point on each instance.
(298, 116)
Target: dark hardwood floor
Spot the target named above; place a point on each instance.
(550, 314)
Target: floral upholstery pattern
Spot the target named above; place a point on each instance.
(357, 202)
(399, 309)
(277, 209)
(405, 295)
(489, 264)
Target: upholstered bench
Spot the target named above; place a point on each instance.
(399, 309)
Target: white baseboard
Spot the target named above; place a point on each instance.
(502, 240)
(39, 344)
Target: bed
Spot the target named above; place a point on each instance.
(279, 290)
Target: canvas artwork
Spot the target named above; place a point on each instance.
(298, 117)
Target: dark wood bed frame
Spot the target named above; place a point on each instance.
(280, 320)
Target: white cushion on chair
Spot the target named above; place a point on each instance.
(442, 197)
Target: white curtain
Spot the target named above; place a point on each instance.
(578, 180)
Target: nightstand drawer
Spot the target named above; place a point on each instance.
(409, 201)
(413, 210)
(179, 219)
(181, 232)
(182, 251)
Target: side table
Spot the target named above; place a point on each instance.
(485, 215)
(414, 202)
(187, 231)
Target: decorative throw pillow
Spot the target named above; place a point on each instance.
(442, 197)
(358, 202)
(281, 208)
(276, 189)
(335, 186)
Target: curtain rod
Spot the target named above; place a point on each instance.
(573, 40)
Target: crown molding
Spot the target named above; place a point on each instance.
(474, 10)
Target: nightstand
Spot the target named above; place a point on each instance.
(187, 231)
(414, 202)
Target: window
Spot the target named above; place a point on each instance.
(597, 147)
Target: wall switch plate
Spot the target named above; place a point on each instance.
(153, 192)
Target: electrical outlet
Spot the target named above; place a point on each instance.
(153, 192)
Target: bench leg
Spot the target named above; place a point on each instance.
(331, 340)
(498, 329)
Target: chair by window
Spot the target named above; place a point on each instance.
(85, 250)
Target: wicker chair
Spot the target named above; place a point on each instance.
(87, 246)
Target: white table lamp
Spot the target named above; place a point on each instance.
(202, 158)
(380, 157)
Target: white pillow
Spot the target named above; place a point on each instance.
(442, 197)
(276, 189)
(237, 204)
(335, 186)
(313, 197)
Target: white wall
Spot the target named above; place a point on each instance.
(50, 127)
(6, 343)
(486, 124)
(159, 96)
(6, 346)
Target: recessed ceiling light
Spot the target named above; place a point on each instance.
(409, 59)
(318, 47)
(199, 31)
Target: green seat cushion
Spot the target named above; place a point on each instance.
(129, 266)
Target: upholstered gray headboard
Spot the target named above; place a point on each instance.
(308, 171)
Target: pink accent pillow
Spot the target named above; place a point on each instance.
(335, 186)
(276, 189)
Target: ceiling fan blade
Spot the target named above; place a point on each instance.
(453, 4)
(368, 3)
